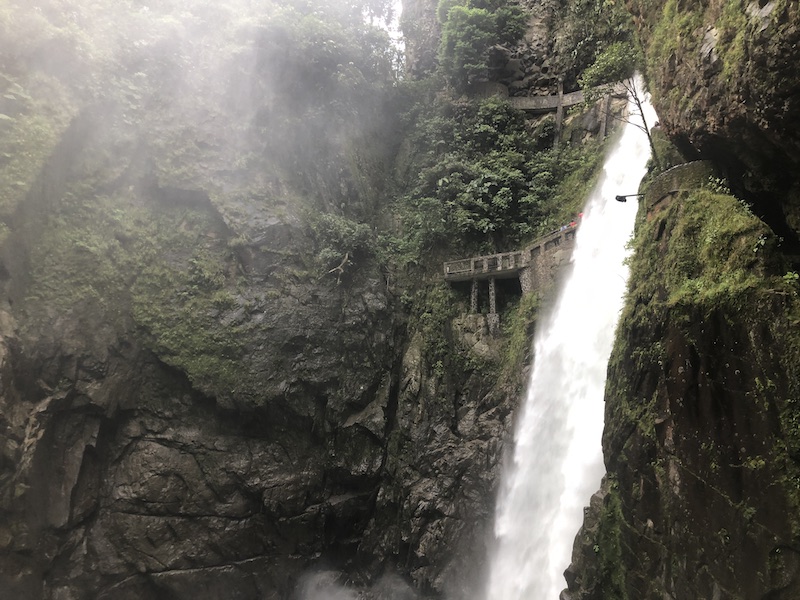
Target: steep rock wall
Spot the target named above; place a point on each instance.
(723, 78)
(195, 401)
(701, 496)
(172, 414)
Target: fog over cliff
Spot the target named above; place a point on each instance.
(230, 366)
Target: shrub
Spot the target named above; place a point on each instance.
(338, 236)
(617, 62)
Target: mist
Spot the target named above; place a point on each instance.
(327, 585)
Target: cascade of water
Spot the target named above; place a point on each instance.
(557, 460)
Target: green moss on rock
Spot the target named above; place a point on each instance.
(34, 114)
(699, 408)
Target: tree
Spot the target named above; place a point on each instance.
(617, 64)
(466, 36)
(469, 30)
(582, 29)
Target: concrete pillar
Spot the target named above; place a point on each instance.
(473, 298)
(526, 280)
(559, 112)
(605, 107)
(493, 322)
(493, 319)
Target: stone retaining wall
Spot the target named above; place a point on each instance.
(547, 260)
(681, 178)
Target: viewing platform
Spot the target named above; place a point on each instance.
(482, 267)
(535, 267)
(680, 178)
(507, 265)
(544, 104)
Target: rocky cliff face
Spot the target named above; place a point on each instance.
(722, 77)
(701, 495)
(701, 498)
(211, 383)
(174, 421)
(208, 387)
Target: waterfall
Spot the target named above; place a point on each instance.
(557, 459)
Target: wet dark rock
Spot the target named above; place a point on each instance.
(724, 93)
(700, 499)
(124, 473)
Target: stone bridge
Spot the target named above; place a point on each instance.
(535, 267)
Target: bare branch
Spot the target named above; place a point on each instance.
(339, 270)
(636, 115)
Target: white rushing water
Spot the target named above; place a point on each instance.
(557, 462)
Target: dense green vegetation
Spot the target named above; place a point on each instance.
(477, 176)
(340, 240)
(292, 119)
(480, 179)
(33, 117)
(586, 28)
(715, 253)
(469, 28)
(483, 182)
(616, 62)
